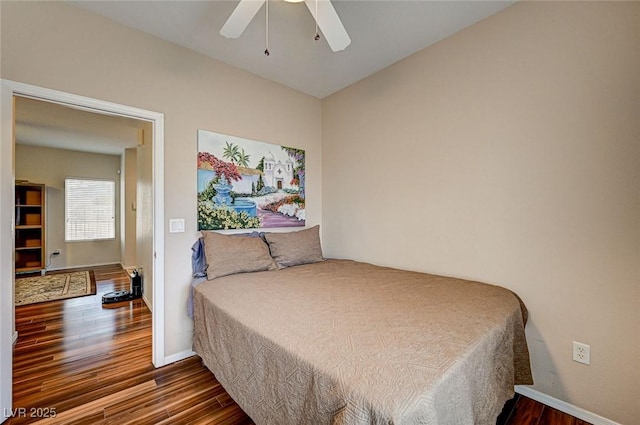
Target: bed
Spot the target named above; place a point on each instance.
(348, 343)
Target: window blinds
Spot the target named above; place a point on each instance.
(89, 209)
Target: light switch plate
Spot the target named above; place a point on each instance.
(176, 225)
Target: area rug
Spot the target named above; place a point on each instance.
(51, 287)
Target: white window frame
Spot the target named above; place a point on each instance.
(110, 233)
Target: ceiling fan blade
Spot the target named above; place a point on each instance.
(240, 18)
(329, 23)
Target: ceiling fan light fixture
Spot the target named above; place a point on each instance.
(323, 12)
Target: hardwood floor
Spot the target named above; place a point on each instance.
(86, 363)
(524, 411)
(89, 364)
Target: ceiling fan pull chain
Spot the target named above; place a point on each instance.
(317, 37)
(266, 50)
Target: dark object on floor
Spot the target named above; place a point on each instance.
(116, 297)
(119, 296)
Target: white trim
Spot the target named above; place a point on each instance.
(15, 337)
(149, 305)
(157, 318)
(81, 102)
(7, 220)
(7, 319)
(82, 266)
(564, 407)
(179, 356)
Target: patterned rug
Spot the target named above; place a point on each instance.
(51, 287)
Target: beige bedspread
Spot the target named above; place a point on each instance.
(342, 342)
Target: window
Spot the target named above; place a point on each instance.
(89, 212)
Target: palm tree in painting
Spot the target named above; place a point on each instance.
(236, 155)
(231, 152)
(243, 159)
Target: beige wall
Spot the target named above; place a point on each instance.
(51, 167)
(507, 153)
(57, 46)
(510, 153)
(144, 214)
(129, 183)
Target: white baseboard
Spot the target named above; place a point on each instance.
(147, 302)
(178, 356)
(15, 337)
(564, 407)
(82, 266)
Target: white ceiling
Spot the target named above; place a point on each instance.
(47, 124)
(382, 32)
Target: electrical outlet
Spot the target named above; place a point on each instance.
(56, 252)
(581, 353)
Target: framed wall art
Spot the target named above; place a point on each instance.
(247, 184)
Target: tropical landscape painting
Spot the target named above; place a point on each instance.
(246, 184)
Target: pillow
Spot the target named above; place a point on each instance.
(228, 254)
(295, 248)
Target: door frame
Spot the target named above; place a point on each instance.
(8, 90)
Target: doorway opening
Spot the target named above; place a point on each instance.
(12, 90)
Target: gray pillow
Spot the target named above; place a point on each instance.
(295, 248)
(227, 255)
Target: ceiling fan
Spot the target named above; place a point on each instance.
(321, 10)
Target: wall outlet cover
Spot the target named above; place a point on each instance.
(581, 353)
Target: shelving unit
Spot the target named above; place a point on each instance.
(30, 227)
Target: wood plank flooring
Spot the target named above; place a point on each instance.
(86, 363)
(524, 411)
(91, 364)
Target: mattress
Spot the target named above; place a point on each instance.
(343, 342)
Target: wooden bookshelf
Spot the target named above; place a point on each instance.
(30, 227)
